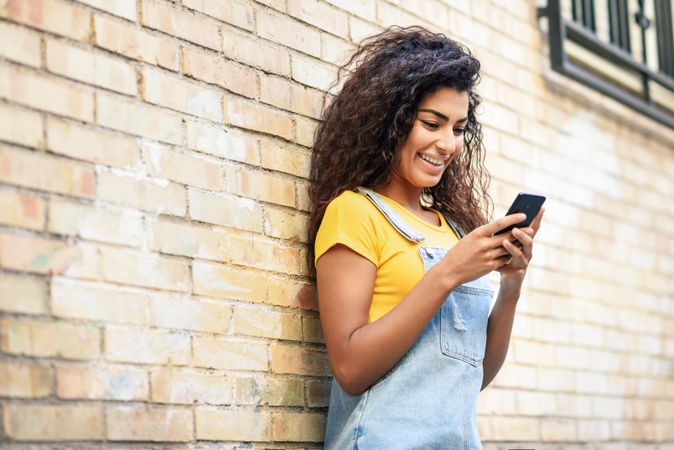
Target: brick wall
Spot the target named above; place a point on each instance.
(153, 198)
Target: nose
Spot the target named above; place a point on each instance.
(446, 145)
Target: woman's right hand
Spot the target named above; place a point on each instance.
(477, 253)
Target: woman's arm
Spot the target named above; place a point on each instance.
(502, 315)
(361, 352)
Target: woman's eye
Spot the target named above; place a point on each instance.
(430, 124)
(459, 131)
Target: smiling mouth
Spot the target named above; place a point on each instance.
(428, 159)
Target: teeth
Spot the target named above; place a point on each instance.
(436, 162)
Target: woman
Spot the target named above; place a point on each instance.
(403, 248)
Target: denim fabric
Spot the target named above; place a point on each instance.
(428, 400)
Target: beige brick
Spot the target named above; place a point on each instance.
(234, 212)
(87, 266)
(255, 52)
(609, 408)
(24, 379)
(232, 425)
(43, 172)
(94, 383)
(313, 72)
(149, 423)
(160, 16)
(22, 210)
(321, 15)
(228, 353)
(290, 96)
(23, 294)
(122, 8)
(218, 141)
(196, 241)
(273, 391)
(335, 50)
(46, 93)
(388, 14)
(146, 346)
(38, 255)
(212, 68)
(311, 330)
(78, 300)
(497, 401)
(279, 5)
(182, 167)
(75, 219)
(285, 225)
(298, 360)
(305, 131)
(197, 315)
(159, 196)
(121, 114)
(56, 16)
(318, 393)
(298, 427)
(252, 116)
(132, 41)
(89, 144)
(365, 8)
(185, 96)
(260, 186)
(527, 352)
(515, 429)
(285, 292)
(171, 386)
(234, 12)
(20, 44)
(93, 68)
(303, 201)
(49, 339)
(264, 253)
(594, 430)
(53, 422)
(274, 26)
(558, 429)
(20, 126)
(536, 403)
(265, 323)
(556, 380)
(144, 269)
(361, 29)
(221, 281)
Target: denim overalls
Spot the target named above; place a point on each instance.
(428, 400)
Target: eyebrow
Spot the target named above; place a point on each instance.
(442, 116)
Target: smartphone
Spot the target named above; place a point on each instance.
(528, 204)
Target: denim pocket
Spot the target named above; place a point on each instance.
(463, 323)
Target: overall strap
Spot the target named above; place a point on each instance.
(393, 217)
(455, 227)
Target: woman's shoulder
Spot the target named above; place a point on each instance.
(351, 201)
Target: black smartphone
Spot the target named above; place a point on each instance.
(528, 204)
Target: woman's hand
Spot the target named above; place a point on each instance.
(476, 254)
(512, 272)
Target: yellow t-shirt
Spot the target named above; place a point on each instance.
(352, 220)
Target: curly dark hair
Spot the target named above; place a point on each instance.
(367, 122)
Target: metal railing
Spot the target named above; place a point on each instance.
(632, 43)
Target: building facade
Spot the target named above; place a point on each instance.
(154, 157)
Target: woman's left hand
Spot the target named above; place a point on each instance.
(512, 273)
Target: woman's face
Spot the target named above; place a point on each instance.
(436, 138)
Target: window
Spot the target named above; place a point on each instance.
(622, 48)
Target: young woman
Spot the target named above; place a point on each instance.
(402, 248)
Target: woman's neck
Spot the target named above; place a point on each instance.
(403, 193)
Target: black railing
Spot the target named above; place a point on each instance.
(618, 49)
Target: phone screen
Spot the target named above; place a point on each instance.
(528, 204)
